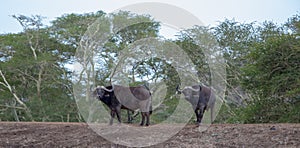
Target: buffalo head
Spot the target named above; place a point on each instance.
(189, 91)
(201, 98)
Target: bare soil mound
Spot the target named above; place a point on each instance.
(34, 134)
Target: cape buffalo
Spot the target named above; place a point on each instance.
(201, 97)
(131, 98)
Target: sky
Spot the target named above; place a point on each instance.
(210, 12)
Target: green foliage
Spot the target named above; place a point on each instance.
(266, 111)
(226, 114)
(195, 52)
(32, 68)
(272, 76)
(69, 28)
(164, 111)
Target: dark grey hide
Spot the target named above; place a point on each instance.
(109, 99)
(201, 98)
(131, 98)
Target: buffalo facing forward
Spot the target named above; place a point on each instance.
(118, 97)
(201, 97)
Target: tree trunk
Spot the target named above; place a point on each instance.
(17, 99)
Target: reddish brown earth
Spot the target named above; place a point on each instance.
(217, 135)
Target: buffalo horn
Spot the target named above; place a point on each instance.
(102, 87)
(193, 89)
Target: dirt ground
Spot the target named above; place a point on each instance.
(28, 134)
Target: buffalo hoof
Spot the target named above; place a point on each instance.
(199, 124)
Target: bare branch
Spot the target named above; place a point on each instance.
(8, 86)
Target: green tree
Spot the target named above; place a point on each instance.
(273, 75)
(235, 40)
(35, 73)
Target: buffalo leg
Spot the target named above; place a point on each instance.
(202, 110)
(200, 116)
(143, 118)
(147, 118)
(119, 115)
(211, 114)
(212, 110)
(112, 116)
(197, 115)
(129, 116)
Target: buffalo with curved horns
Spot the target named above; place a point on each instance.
(201, 97)
(118, 97)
